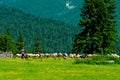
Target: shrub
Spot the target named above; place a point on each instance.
(99, 60)
(84, 61)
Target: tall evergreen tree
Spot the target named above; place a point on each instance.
(37, 46)
(111, 36)
(2, 42)
(98, 35)
(6, 42)
(10, 44)
(20, 42)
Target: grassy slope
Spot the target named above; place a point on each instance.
(50, 69)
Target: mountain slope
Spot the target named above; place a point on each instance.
(55, 36)
(51, 8)
(56, 9)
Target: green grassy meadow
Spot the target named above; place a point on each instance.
(51, 69)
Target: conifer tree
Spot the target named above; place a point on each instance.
(99, 33)
(111, 37)
(20, 42)
(2, 42)
(37, 46)
(6, 42)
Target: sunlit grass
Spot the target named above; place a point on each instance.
(51, 69)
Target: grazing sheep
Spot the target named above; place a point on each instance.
(89, 55)
(6, 54)
(65, 55)
(18, 55)
(78, 56)
(59, 55)
(72, 55)
(115, 55)
(47, 55)
(32, 55)
(42, 55)
(54, 55)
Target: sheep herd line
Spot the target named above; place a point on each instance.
(59, 55)
(53, 55)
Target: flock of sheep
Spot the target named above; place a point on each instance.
(54, 55)
(47, 55)
(59, 55)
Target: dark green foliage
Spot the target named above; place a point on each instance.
(99, 60)
(55, 36)
(118, 45)
(2, 42)
(99, 23)
(37, 49)
(20, 42)
(110, 31)
(8, 31)
(6, 43)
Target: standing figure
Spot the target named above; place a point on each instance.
(22, 53)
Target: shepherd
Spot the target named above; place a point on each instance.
(22, 53)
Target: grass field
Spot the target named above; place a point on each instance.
(59, 69)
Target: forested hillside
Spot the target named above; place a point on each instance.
(55, 36)
(56, 9)
(31, 26)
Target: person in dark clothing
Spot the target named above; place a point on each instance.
(22, 53)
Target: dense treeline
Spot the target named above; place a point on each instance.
(55, 36)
